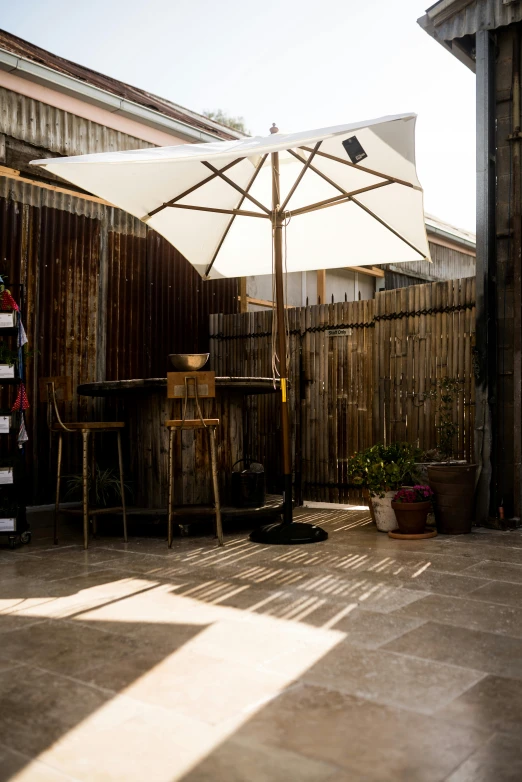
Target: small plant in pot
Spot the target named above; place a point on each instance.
(381, 470)
(411, 506)
(452, 481)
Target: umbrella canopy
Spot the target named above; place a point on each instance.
(214, 201)
(346, 196)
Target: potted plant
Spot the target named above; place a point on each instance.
(381, 470)
(411, 506)
(104, 486)
(452, 481)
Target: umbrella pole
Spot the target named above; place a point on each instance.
(281, 339)
(287, 532)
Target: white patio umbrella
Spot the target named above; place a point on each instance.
(345, 196)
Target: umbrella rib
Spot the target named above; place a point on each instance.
(362, 168)
(301, 175)
(319, 173)
(234, 212)
(191, 189)
(335, 200)
(229, 226)
(236, 187)
(392, 230)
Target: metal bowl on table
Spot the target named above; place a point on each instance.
(188, 362)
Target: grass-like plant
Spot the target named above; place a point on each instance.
(104, 490)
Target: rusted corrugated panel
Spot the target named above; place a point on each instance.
(477, 15)
(107, 298)
(58, 131)
(126, 351)
(179, 304)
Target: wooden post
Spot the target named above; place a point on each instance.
(243, 303)
(281, 338)
(321, 286)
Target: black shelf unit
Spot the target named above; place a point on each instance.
(13, 512)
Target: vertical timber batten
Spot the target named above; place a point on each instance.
(485, 353)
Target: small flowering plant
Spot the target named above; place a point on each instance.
(415, 494)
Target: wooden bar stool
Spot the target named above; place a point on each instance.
(49, 388)
(182, 385)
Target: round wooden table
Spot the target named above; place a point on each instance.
(144, 406)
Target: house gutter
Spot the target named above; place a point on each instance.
(41, 74)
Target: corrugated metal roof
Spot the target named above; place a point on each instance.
(448, 20)
(457, 234)
(20, 48)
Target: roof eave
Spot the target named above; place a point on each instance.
(451, 46)
(48, 77)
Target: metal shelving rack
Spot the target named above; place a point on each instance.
(13, 513)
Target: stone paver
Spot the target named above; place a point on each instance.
(360, 658)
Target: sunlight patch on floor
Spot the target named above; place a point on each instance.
(176, 713)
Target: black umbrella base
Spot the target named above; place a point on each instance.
(284, 534)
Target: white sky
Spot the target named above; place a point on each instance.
(298, 63)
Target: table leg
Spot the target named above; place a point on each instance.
(85, 482)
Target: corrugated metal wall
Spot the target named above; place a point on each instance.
(107, 298)
(447, 264)
(58, 131)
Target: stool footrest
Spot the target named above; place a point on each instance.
(92, 511)
(193, 510)
(191, 423)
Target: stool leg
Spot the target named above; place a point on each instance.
(93, 483)
(85, 481)
(122, 486)
(170, 486)
(215, 484)
(58, 476)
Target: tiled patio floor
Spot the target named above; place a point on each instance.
(361, 658)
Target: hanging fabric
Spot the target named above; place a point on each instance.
(7, 302)
(21, 401)
(23, 437)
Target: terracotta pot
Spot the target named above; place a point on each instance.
(411, 516)
(383, 512)
(454, 488)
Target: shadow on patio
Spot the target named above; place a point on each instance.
(246, 663)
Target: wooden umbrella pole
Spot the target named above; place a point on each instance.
(285, 532)
(278, 220)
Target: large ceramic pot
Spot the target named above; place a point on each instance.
(454, 489)
(411, 516)
(383, 512)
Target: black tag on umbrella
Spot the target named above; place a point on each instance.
(353, 147)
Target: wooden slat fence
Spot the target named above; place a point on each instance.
(350, 391)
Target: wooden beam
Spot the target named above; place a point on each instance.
(12, 173)
(321, 286)
(263, 303)
(373, 271)
(243, 299)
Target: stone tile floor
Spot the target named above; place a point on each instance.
(361, 658)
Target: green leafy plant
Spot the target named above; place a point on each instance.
(10, 356)
(445, 391)
(7, 355)
(104, 490)
(383, 468)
